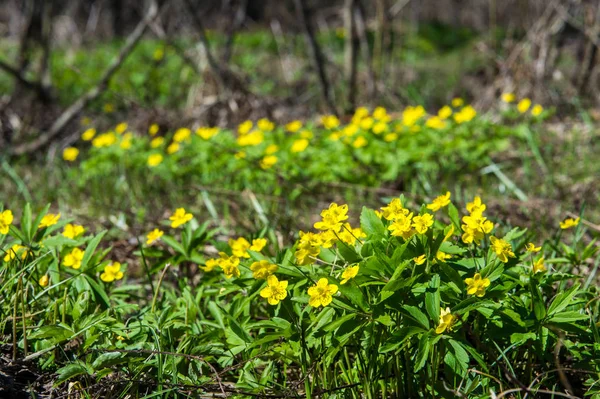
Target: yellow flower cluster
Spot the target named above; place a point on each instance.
(475, 226)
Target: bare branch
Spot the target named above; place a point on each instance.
(95, 91)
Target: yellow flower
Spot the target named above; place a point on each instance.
(88, 134)
(538, 266)
(380, 114)
(154, 160)
(332, 217)
(444, 112)
(263, 269)
(293, 126)
(435, 122)
(330, 121)
(360, 142)
(366, 123)
(229, 264)
(321, 294)
(508, 97)
(477, 285)
(439, 202)
(502, 249)
(524, 105)
(411, 115)
(153, 129)
(308, 248)
(299, 145)
(173, 148)
(44, 280)
(210, 265)
(157, 142)
(245, 127)
(268, 161)
(126, 142)
(537, 110)
(475, 226)
(258, 244)
(271, 149)
(275, 291)
(206, 133)
(70, 154)
(104, 140)
(182, 134)
(422, 222)
(153, 236)
(121, 127)
(74, 258)
(265, 125)
(49, 219)
(15, 250)
(476, 206)
(568, 223)
(240, 155)
(306, 134)
(402, 226)
(465, 115)
(457, 102)
(442, 256)
(349, 273)
(390, 137)
(112, 272)
(350, 235)
(361, 112)
(73, 230)
(447, 320)
(530, 247)
(6, 219)
(394, 210)
(180, 217)
(253, 138)
(239, 247)
(419, 260)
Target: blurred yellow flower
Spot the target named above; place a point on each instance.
(380, 127)
(153, 129)
(524, 105)
(390, 137)
(180, 217)
(182, 134)
(121, 128)
(239, 247)
(15, 250)
(49, 219)
(271, 149)
(306, 134)
(108, 108)
(112, 272)
(419, 260)
(154, 236)
(239, 155)
(173, 148)
(530, 247)
(439, 202)
(6, 219)
(265, 125)
(74, 258)
(88, 134)
(245, 127)
(537, 110)
(444, 112)
(508, 97)
(359, 142)
(70, 154)
(157, 142)
(210, 265)
(435, 122)
(568, 223)
(253, 138)
(154, 160)
(258, 244)
(538, 266)
(73, 230)
(349, 273)
(457, 102)
(206, 133)
(158, 54)
(465, 115)
(104, 140)
(268, 161)
(502, 248)
(299, 145)
(293, 126)
(44, 280)
(229, 265)
(330, 121)
(263, 269)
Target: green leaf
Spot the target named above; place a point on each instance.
(432, 299)
(98, 291)
(400, 337)
(173, 243)
(424, 347)
(91, 247)
(355, 295)
(370, 223)
(453, 214)
(71, 370)
(26, 222)
(417, 315)
(563, 300)
(568, 317)
(397, 281)
(56, 334)
(108, 359)
(521, 338)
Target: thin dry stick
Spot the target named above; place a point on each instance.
(317, 55)
(95, 91)
(361, 27)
